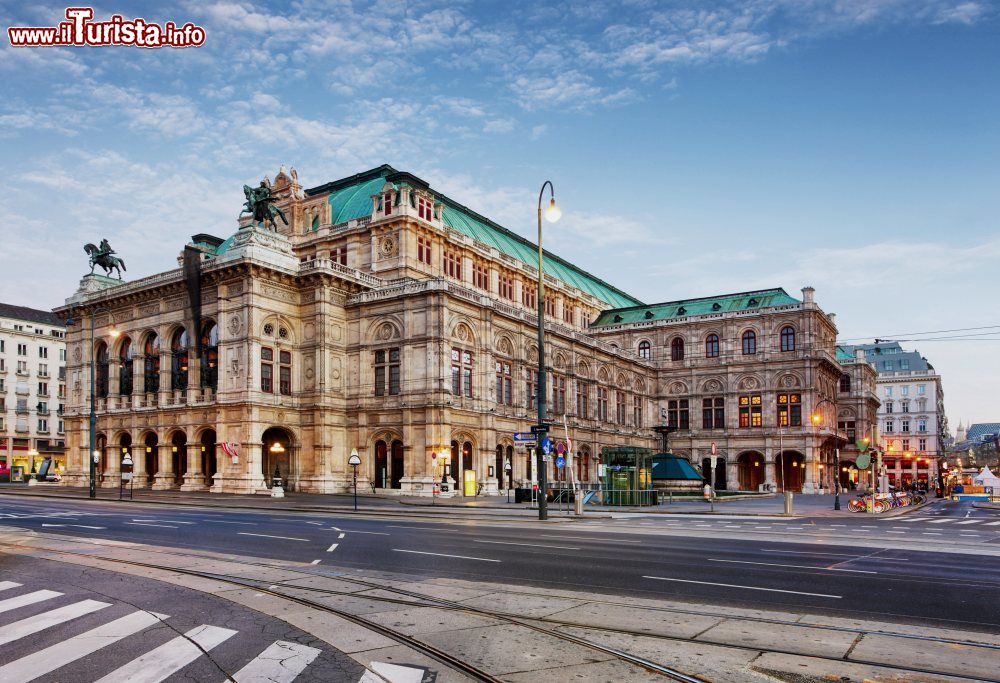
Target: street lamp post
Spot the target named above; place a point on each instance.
(552, 213)
(92, 454)
(354, 461)
(817, 418)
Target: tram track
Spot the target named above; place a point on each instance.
(542, 625)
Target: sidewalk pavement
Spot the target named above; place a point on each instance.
(818, 505)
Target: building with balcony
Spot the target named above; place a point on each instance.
(911, 419)
(32, 360)
(391, 319)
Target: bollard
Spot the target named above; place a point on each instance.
(578, 504)
(788, 502)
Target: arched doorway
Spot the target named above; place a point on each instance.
(848, 475)
(461, 460)
(720, 472)
(178, 456)
(209, 344)
(152, 462)
(277, 456)
(209, 461)
(750, 469)
(101, 446)
(790, 470)
(381, 464)
(498, 468)
(396, 465)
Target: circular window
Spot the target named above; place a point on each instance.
(269, 329)
(283, 333)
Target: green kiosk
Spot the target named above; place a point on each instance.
(628, 476)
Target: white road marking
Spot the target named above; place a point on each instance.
(341, 535)
(968, 534)
(4, 585)
(67, 651)
(945, 520)
(530, 545)
(160, 663)
(315, 562)
(333, 528)
(27, 599)
(281, 662)
(332, 548)
(929, 533)
(78, 526)
(284, 538)
(460, 557)
(969, 521)
(991, 523)
(162, 526)
(374, 533)
(40, 622)
(225, 521)
(895, 532)
(808, 552)
(316, 523)
(425, 528)
(794, 566)
(752, 588)
(392, 672)
(168, 521)
(592, 539)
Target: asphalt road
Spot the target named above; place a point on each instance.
(804, 565)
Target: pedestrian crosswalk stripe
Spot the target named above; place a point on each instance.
(991, 523)
(40, 622)
(4, 585)
(160, 663)
(969, 521)
(942, 521)
(27, 599)
(59, 655)
(281, 662)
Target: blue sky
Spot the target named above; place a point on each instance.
(696, 147)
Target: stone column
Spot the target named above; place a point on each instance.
(812, 466)
(165, 471)
(769, 469)
(112, 459)
(165, 373)
(194, 477)
(139, 475)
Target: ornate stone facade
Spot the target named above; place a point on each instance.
(390, 319)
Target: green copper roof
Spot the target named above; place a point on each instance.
(844, 354)
(725, 303)
(351, 198)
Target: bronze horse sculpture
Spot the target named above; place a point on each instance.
(103, 256)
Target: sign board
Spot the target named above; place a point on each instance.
(507, 466)
(524, 437)
(546, 445)
(127, 459)
(97, 457)
(715, 449)
(536, 429)
(126, 476)
(560, 462)
(600, 469)
(355, 459)
(561, 448)
(863, 461)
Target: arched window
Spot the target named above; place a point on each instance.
(644, 350)
(712, 346)
(151, 363)
(101, 378)
(210, 355)
(787, 338)
(749, 343)
(381, 464)
(179, 360)
(677, 349)
(125, 357)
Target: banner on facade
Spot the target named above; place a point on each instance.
(232, 450)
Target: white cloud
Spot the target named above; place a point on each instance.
(966, 13)
(499, 126)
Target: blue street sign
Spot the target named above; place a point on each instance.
(547, 446)
(560, 462)
(524, 437)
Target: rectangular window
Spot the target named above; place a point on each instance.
(504, 384)
(507, 286)
(923, 444)
(43, 388)
(906, 445)
(921, 389)
(22, 349)
(905, 390)
(339, 255)
(22, 367)
(387, 372)
(386, 203)
(43, 425)
(558, 395)
(285, 376)
(567, 313)
(480, 275)
(637, 411)
(424, 250)
(849, 427)
(889, 408)
(425, 208)
(906, 426)
(43, 370)
(43, 352)
(602, 404)
(713, 413)
(921, 425)
(453, 265)
(789, 410)
(751, 414)
(678, 414)
(531, 387)
(888, 391)
(582, 400)
(461, 372)
(904, 364)
(889, 427)
(585, 319)
(550, 305)
(620, 407)
(529, 296)
(267, 370)
(906, 406)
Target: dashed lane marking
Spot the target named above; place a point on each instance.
(751, 588)
(794, 566)
(459, 557)
(283, 538)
